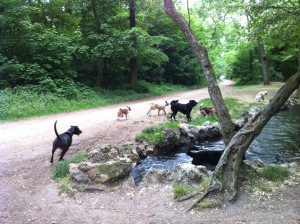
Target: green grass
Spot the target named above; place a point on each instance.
(259, 87)
(209, 203)
(181, 189)
(155, 134)
(61, 169)
(274, 173)
(264, 179)
(66, 190)
(205, 183)
(21, 103)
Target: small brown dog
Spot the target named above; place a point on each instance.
(159, 107)
(208, 111)
(123, 112)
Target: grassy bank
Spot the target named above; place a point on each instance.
(155, 134)
(22, 103)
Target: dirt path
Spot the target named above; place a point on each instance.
(28, 194)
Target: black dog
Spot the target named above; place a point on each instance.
(183, 108)
(64, 141)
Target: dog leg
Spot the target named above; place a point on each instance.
(53, 151)
(62, 154)
(188, 117)
(173, 115)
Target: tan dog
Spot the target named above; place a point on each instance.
(159, 107)
(123, 112)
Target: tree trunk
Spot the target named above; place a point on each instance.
(133, 60)
(99, 68)
(225, 174)
(297, 96)
(224, 178)
(264, 62)
(201, 54)
(99, 73)
(188, 10)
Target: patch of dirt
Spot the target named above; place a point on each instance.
(29, 195)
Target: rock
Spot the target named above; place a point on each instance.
(144, 150)
(78, 174)
(255, 164)
(157, 177)
(288, 104)
(102, 153)
(170, 143)
(183, 173)
(189, 173)
(103, 168)
(112, 171)
(94, 174)
(188, 133)
(295, 160)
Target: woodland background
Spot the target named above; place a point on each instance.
(72, 47)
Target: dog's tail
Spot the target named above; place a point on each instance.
(56, 130)
(167, 104)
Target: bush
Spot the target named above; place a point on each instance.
(142, 87)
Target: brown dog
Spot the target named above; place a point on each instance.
(123, 112)
(208, 111)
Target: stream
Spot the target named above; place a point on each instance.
(277, 143)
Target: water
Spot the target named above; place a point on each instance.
(160, 163)
(277, 143)
(280, 139)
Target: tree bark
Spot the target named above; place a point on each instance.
(297, 96)
(264, 62)
(224, 178)
(188, 10)
(225, 174)
(99, 68)
(201, 54)
(133, 60)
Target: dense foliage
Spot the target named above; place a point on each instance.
(51, 46)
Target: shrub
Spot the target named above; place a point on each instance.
(142, 87)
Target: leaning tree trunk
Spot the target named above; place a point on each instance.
(201, 54)
(225, 176)
(264, 62)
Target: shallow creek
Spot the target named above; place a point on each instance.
(277, 143)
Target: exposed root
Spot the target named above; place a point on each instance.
(189, 196)
(204, 195)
